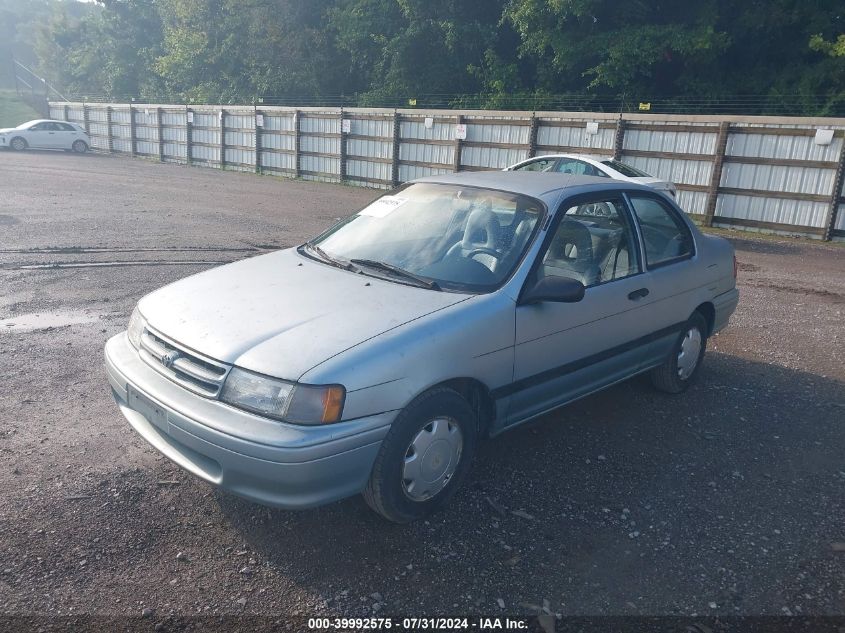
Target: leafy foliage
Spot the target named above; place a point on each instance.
(773, 56)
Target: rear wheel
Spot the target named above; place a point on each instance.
(18, 144)
(424, 458)
(679, 370)
(80, 147)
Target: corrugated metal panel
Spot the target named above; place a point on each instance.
(174, 150)
(366, 169)
(409, 172)
(120, 116)
(121, 131)
(491, 157)
(169, 117)
(206, 119)
(279, 161)
(840, 218)
(497, 133)
(179, 134)
(777, 146)
(145, 147)
(243, 139)
(98, 129)
(440, 131)
(689, 172)
(796, 212)
(278, 141)
(240, 156)
(778, 178)
(279, 122)
(240, 120)
(205, 136)
(676, 142)
(320, 164)
(57, 112)
(320, 144)
(96, 114)
(120, 145)
(319, 124)
(692, 201)
(419, 153)
(205, 153)
(371, 127)
(371, 149)
(574, 136)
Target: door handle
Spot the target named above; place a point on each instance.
(636, 295)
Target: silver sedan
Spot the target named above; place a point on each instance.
(375, 358)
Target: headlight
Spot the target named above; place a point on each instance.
(135, 328)
(283, 400)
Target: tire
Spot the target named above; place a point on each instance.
(18, 144)
(80, 147)
(431, 421)
(680, 369)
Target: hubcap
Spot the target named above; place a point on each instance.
(18, 144)
(689, 352)
(431, 459)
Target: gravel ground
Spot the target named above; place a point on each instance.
(727, 500)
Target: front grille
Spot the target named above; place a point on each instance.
(199, 374)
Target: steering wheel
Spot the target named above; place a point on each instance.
(483, 250)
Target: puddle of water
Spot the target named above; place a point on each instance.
(45, 320)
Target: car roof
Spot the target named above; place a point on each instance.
(535, 184)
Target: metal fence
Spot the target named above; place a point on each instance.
(772, 174)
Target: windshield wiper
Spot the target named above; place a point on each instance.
(323, 255)
(396, 270)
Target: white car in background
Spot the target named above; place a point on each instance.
(583, 165)
(46, 134)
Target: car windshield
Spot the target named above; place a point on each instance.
(626, 170)
(433, 235)
(23, 126)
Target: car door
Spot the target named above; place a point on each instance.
(40, 135)
(669, 256)
(567, 350)
(66, 134)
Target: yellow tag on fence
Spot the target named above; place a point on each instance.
(645, 106)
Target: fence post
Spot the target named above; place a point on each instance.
(189, 136)
(257, 136)
(716, 174)
(397, 140)
(85, 120)
(132, 139)
(343, 140)
(67, 112)
(833, 210)
(160, 136)
(296, 128)
(619, 138)
(456, 165)
(532, 136)
(109, 136)
(222, 117)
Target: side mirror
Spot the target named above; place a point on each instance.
(556, 289)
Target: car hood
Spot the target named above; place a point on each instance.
(282, 314)
(6, 130)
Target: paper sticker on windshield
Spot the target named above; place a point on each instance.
(383, 206)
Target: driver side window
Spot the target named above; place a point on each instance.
(593, 243)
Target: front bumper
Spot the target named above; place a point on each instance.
(268, 462)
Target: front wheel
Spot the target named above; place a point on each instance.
(80, 147)
(679, 370)
(18, 144)
(424, 458)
